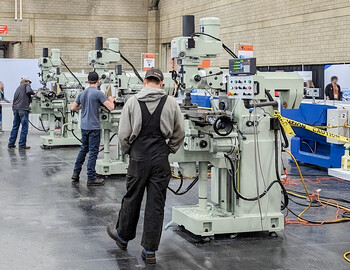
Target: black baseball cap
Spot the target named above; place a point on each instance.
(155, 73)
(93, 76)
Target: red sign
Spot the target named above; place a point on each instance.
(3, 29)
(245, 48)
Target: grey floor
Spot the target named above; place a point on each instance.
(48, 223)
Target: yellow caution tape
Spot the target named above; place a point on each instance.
(326, 127)
(286, 123)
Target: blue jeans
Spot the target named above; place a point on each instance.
(20, 117)
(90, 144)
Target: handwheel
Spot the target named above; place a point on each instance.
(223, 126)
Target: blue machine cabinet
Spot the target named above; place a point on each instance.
(309, 147)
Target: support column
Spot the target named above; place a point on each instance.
(106, 136)
(202, 186)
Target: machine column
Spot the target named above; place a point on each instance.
(52, 124)
(106, 134)
(202, 186)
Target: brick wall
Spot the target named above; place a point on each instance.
(283, 31)
(72, 25)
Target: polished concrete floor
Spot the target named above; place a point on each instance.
(48, 223)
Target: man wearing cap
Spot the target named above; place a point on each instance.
(89, 102)
(148, 120)
(20, 107)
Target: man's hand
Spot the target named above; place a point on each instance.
(109, 103)
(75, 106)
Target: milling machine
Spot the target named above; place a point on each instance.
(123, 84)
(54, 99)
(239, 138)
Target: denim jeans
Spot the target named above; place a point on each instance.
(20, 117)
(90, 144)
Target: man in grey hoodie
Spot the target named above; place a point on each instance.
(148, 120)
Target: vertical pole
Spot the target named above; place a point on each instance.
(106, 134)
(52, 124)
(20, 9)
(16, 10)
(202, 186)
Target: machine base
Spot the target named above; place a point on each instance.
(110, 167)
(218, 221)
(50, 141)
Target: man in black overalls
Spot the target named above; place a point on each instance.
(148, 119)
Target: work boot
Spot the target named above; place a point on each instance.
(148, 256)
(75, 178)
(112, 232)
(11, 146)
(96, 182)
(24, 148)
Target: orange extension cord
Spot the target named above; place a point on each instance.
(313, 197)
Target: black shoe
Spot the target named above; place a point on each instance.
(112, 232)
(75, 178)
(11, 147)
(25, 148)
(148, 258)
(96, 182)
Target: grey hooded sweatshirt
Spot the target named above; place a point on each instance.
(171, 121)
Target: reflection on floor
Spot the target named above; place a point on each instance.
(48, 223)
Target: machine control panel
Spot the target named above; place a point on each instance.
(312, 92)
(242, 66)
(240, 87)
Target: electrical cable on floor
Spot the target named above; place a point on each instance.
(308, 196)
(302, 204)
(346, 256)
(322, 197)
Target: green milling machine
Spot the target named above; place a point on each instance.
(239, 138)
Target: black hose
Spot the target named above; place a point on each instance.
(126, 60)
(227, 49)
(109, 141)
(286, 142)
(42, 130)
(253, 198)
(177, 192)
(72, 130)
(42, 125)
(72, 73)
(284, 191)
(305, 205)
